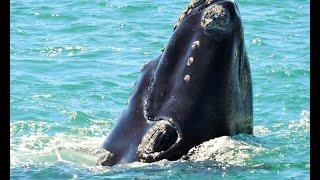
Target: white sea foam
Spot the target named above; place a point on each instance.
(225, 150)
(40, 148)
(44, 96)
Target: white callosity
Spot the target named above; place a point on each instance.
(215, 17)
(190, 61)
(195, 44)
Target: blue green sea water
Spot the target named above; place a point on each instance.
(74, 63)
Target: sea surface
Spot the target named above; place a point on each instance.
(74, 63)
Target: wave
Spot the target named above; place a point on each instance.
(37, 146)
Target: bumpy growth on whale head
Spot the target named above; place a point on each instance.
(198, 88)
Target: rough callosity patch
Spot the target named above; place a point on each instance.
(159, 138)
(193, 4)
(215, 17)
(190, 61)
(186, 78)
(195, 44)
(107, 159)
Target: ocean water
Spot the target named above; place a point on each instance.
(74, 63)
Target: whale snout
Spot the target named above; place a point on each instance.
(218, 19)
(215, 17)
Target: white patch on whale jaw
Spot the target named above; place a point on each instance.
(216, 21)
